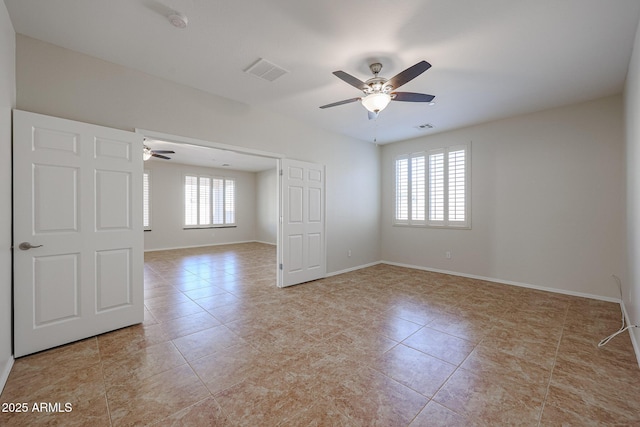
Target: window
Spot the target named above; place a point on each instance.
(432, 188)
(209, 201)
(146, 200)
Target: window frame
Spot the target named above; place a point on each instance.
(210, 210)
(409, 220)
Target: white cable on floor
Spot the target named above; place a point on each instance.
(624, 326)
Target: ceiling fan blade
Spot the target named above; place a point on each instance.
(353, 81)
(346, 101)
(409, 74)
(412, 97)
(163, 151)
(372, 115)
(160, 156)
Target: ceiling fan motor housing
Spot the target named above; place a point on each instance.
(377, 85)
(375, 68)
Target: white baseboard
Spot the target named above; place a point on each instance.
(4, 373)
(634, 341)
(507, 282)
(347, 270)
(200, 246)
(266, 243)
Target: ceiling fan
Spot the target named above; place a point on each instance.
(378, 91)
(148, 153)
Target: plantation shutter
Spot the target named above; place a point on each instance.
(217, 188)
(436, 186)
(402, 189)
(457, 185)
(418, 187)
(204, 201)
(229, 201)
(190, 200)
(146, 210)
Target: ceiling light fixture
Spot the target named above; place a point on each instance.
(146, 153)
(178, 20)
(376, 102)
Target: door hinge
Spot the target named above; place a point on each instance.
(280, 266)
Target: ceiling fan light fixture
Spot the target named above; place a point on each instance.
(376, 102)
(146, 153)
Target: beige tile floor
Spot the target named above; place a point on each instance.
(383, 346)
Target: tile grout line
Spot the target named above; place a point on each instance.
(104, 382)
(458, 367)
(555, 358)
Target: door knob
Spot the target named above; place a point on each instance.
(25, 246)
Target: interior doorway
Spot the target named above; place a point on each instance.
(253, 176)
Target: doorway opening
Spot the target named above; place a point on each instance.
(233, 197)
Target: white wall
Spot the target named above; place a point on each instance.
(631, 294)
(59, 82)
(547, 201)
(267, 206)
(7, 102)
(167, 208)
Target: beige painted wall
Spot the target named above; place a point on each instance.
(267, 206)
(631, 291)
(7, 102)
(167, 208)
(59, 82)
(547, 201)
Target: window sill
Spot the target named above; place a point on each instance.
(436, 227)
(209, 227)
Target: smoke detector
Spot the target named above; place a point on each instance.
(178, 20)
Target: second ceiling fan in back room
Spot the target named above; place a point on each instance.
(378, 91)
(148, 153)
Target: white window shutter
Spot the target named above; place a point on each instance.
(402, 190)
(217, 189)
(190, 200)
(436, 186)
(204, 201)
(209, 201)
(229, 201)
(146, 200)
(457, 186)
(433, 188)
(418, 189)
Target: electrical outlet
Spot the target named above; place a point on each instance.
(447, 254)
(349, 253)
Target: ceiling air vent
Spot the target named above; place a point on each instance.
(266, 70)
(425, 126)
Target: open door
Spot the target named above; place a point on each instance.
(77, 227)
(301, 246)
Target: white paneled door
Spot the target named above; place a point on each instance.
(302, 254)
(77, 230)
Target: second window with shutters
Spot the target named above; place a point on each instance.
(432, 188)
(209, 201)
